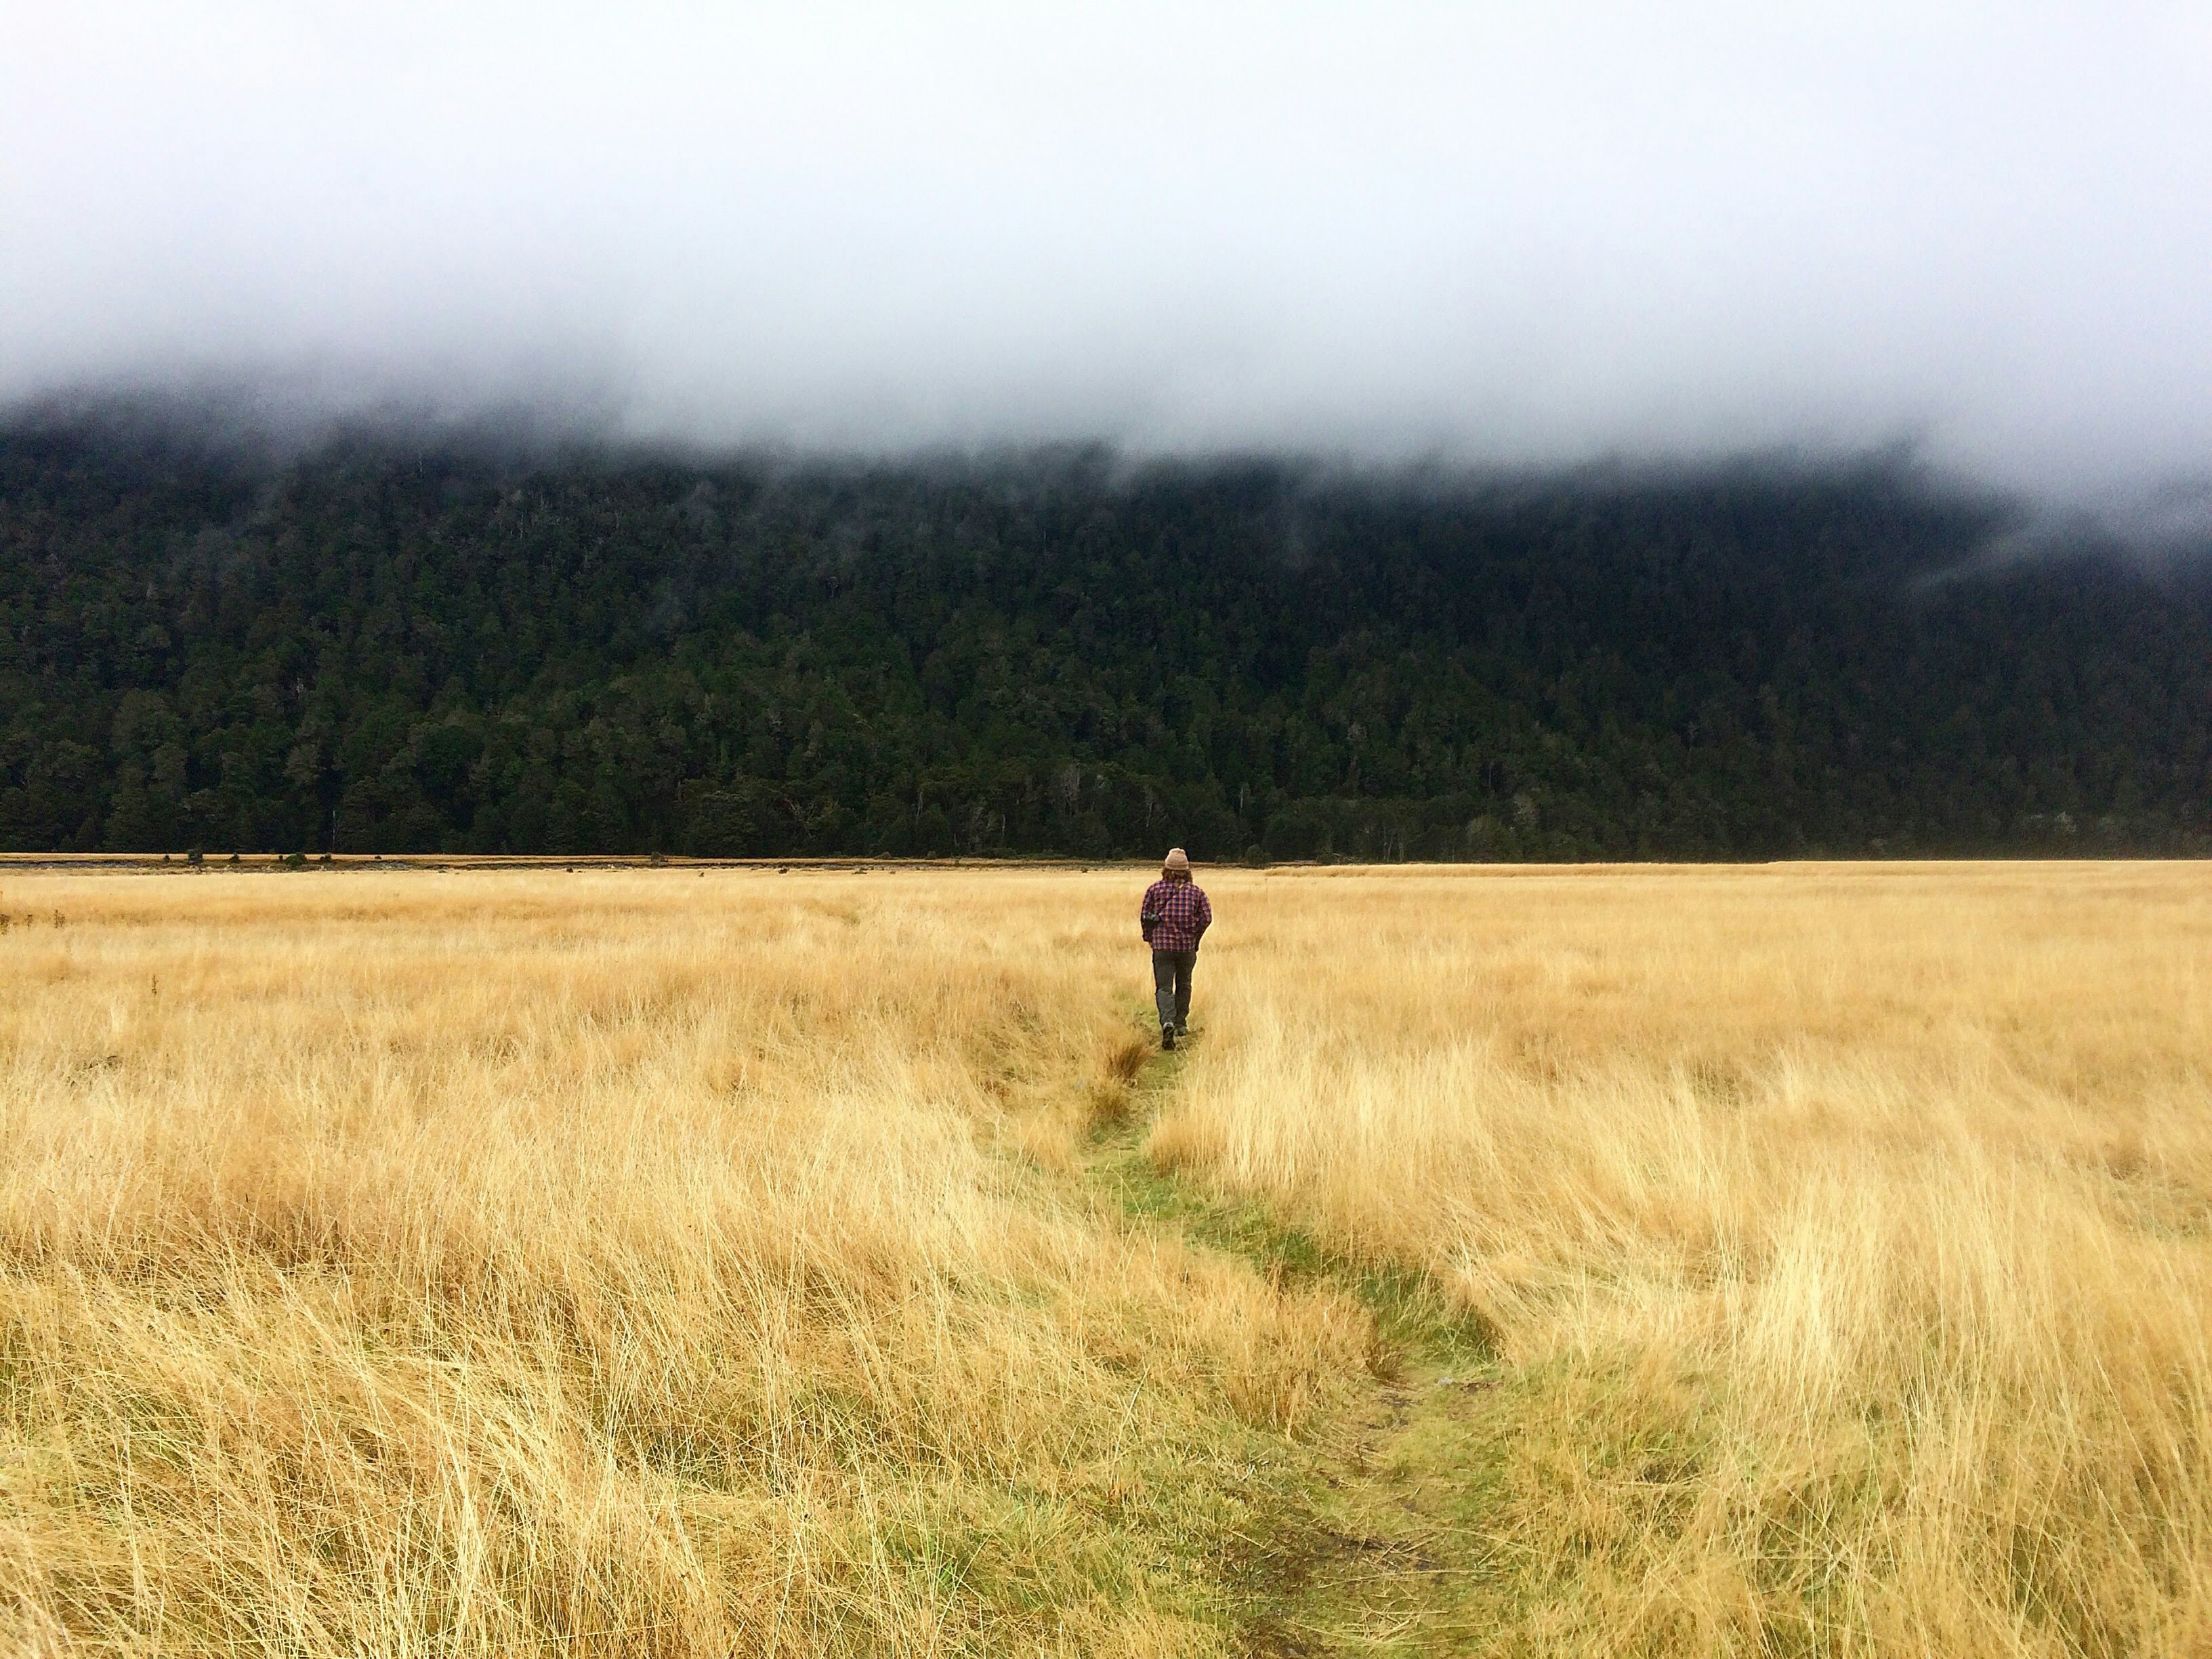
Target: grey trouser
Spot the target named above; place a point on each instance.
(1171, 985)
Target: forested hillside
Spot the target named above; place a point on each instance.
(376, 646)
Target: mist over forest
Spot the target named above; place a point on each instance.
(972, 429)
(379, 643)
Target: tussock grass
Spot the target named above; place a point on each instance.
(1847, 1233)
(618, 1263)
(632, 1262)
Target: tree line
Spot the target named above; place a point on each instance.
(375, 644)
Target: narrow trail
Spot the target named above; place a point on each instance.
(1383, 1549)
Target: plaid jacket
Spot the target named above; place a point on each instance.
(1184, 915)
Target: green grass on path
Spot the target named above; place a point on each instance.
(1377, 1535)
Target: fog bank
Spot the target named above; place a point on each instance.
(1512, 234)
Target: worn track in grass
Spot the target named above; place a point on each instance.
(1381, 1544)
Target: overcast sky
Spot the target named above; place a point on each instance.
(1503, 232)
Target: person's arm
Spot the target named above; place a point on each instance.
(1145, 916)
(1204, 914)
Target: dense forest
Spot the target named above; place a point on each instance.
(379, 645)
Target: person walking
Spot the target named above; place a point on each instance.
(1174, 917)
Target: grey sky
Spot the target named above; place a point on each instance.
(1510, 231)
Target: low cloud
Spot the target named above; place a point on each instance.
(1500, 234)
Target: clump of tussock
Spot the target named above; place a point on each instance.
(1110, 1096)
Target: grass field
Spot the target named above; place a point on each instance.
(655, 1260)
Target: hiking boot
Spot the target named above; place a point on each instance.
(1167, 1038)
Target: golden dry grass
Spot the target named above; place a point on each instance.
(645, 1261)
(618, 1263)
(1846, 1233)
